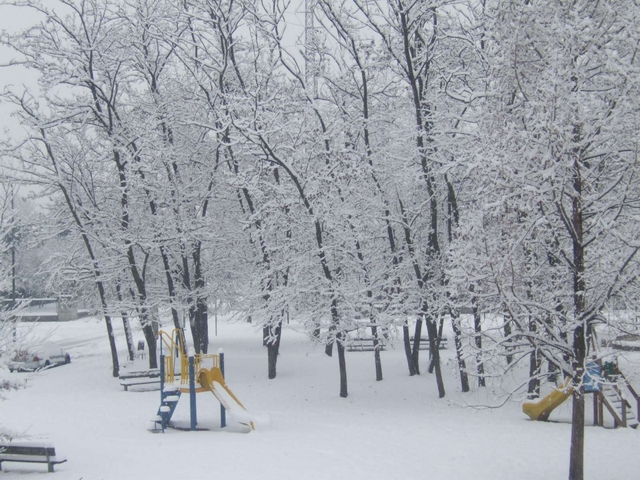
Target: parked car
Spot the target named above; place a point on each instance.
(29, 359)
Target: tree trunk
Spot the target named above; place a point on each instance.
(170, 286)
(552, 372)
(407, 349)
(202, 318)
(194, 325)
(316, 333)
(415, 354)
(533, 388)
(125, 323)
(432, 330)
(328, 348)
(457, 339)
(128, 336)
(432, 362)
(342, 362)
(273, 348)
(198, 322)
(150, 337)
(576, 465)
(376, 352)
(477, 325)
(507, 334)
(107, 319)
(202, 312)
(576, 456)
(112, 343)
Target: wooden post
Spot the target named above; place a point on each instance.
(600, 410)
(49, 464)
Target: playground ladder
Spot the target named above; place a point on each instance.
(170, 397)
(613, 397)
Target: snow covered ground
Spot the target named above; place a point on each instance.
(397, 428)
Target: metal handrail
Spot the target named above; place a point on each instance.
(179, 348)
(175, 344)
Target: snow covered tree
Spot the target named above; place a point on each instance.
(9, 226)
(559, 159)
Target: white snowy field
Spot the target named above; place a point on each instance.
(397, 428)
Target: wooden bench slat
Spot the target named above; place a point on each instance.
(140, 374)
(26, 444)
(151, 381)
(26, 453)
(141, 380)
(26, 450)
(424, 343)
(363, 344)
(30, 458)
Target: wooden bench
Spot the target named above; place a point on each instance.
(144, 377)
(29, 453)
(358, 340)
(363, 344)
(424, 343)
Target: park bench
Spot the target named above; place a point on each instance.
(144, 377)
(29, 453)
(358, 340)
(424, 343)
(363, 344)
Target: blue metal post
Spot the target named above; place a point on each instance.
(223, 412)
(161, 381)
(161, 386)
(192, 392)
(161, 374)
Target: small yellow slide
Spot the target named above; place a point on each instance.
(542, 409)
(214, 380)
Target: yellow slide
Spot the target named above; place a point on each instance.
(542, 409)
(213, 380)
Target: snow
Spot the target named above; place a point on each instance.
(397, 428)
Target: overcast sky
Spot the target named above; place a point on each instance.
(13, 20)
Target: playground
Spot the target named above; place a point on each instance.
(194, 378)
(396, 428)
